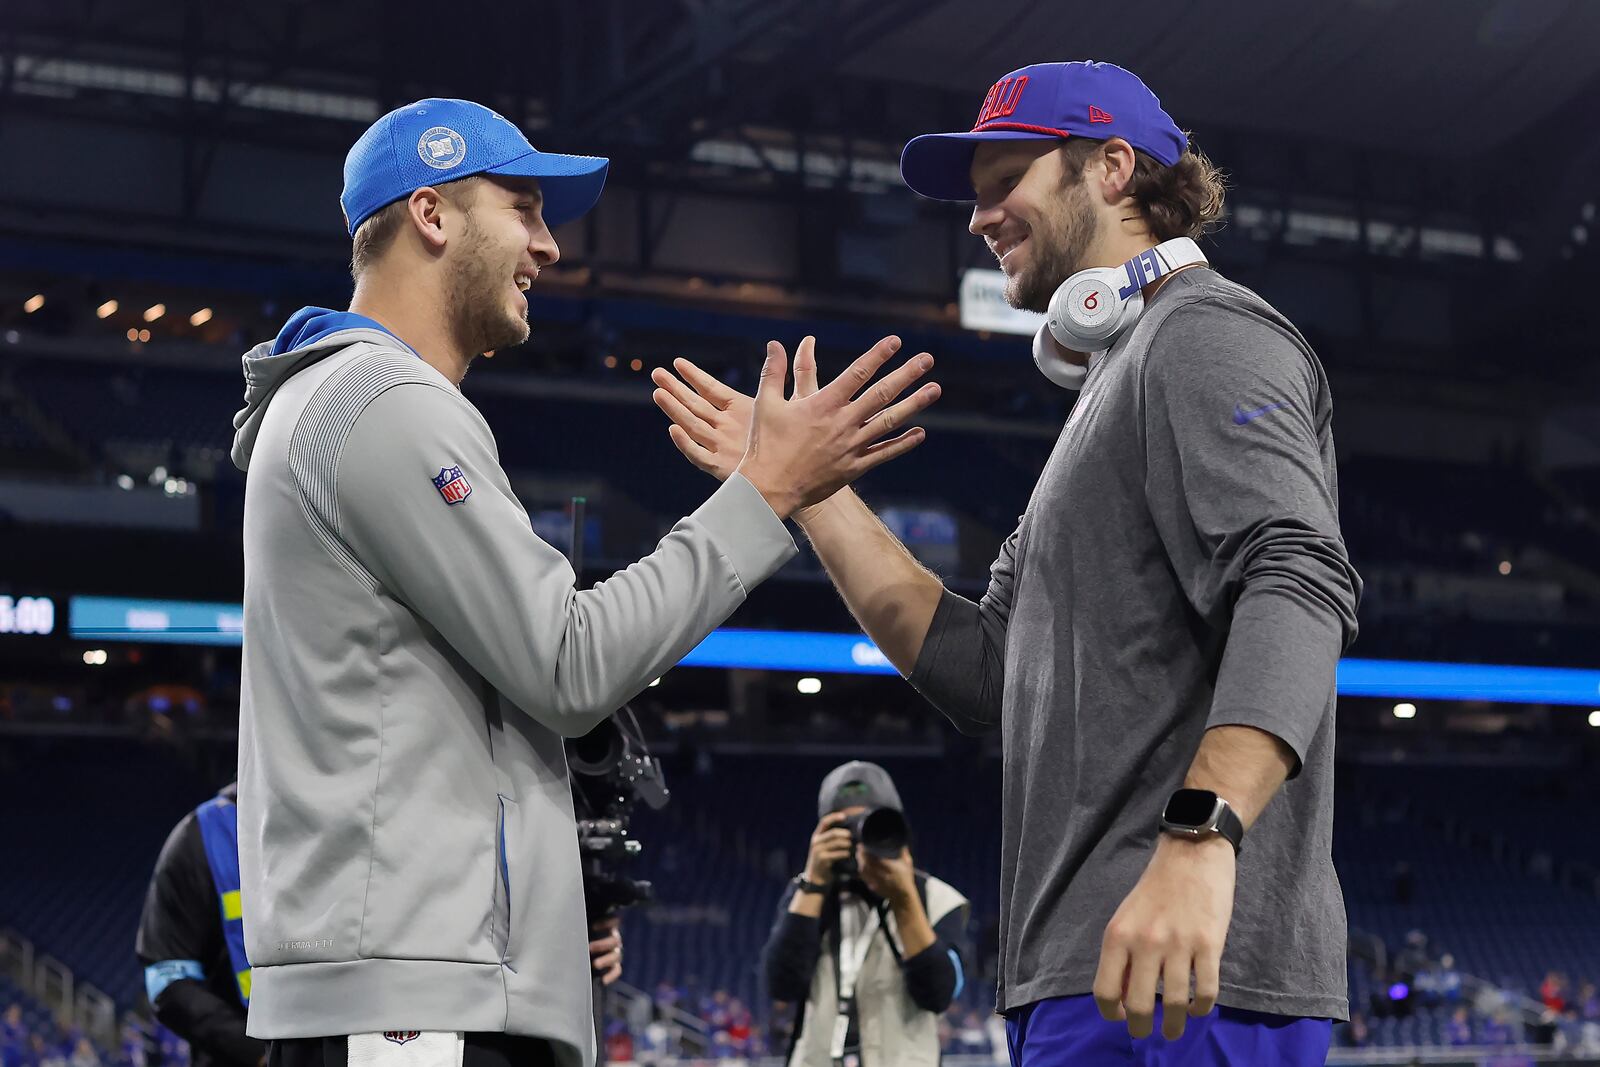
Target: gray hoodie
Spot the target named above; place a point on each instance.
(413, 656)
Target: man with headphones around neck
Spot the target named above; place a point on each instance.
(1159, 639)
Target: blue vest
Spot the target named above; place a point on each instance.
(219, 829)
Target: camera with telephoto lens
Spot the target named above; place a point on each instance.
(612, 770)
(883, 832)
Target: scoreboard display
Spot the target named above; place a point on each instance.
(34, 615)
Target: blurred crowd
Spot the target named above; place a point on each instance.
(681, 1021)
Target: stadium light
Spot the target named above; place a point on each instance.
(809, 686)
(106, 310)
(1594, 718)
(1405, 711)
(132, 334)
(201, 317)
(144, 335)
(154, 312)
(1505, 566)
(33, 303)
(95, 657)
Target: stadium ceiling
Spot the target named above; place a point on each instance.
(1436, 77)
(1476, 113)
(1446, 77)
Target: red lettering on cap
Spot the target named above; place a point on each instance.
(1004, 96)
(1096, 115)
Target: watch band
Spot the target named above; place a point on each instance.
(1229, 825)
(800, 883)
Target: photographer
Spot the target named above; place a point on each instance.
(867, 944)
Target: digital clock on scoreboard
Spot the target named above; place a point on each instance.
(27, 615)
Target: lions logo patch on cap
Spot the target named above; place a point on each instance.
(452, 485)
(442, 148)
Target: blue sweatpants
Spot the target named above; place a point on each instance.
(1070, 1032)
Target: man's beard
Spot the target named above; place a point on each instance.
(480, 320)
(1060, 241)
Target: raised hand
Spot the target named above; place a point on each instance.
(895, 880)
(710, 421)
(800, 450)
(830, 843)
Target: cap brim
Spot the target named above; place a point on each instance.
(571, 184)
(939, 165)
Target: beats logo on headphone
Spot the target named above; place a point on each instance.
(1094, 307)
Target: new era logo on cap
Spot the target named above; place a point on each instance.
(1096, 115)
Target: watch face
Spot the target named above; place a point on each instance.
(1191, 807)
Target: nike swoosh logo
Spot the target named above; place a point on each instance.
(1241, 416)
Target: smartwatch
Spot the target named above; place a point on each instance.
(1201, 813)
(801, 885)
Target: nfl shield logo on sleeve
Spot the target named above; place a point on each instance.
(452, 485)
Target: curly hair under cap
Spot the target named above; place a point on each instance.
(1183, 200)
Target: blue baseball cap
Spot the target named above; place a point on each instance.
(1045, 101)
(435, 141)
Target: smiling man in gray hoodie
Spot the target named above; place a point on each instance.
(414, 654)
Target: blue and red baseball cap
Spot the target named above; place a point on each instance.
(435, 141)
(1045, 101)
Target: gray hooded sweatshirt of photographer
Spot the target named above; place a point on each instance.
(413, 657)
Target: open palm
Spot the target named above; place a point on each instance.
(711, 421)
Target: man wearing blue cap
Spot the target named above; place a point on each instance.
(1158, 642)
(414, 654)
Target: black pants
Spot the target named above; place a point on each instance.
(481, 1050)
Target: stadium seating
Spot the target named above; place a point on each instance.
(719, 862)
(85, 820)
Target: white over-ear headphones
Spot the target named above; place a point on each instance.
(1094, 307)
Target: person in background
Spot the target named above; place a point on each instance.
(191, 942)
(191, 938)
(870, 947)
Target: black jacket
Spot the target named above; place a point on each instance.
(182, 920)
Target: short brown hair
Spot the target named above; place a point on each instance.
(377, 232)
(1183, 200)
(374, 235)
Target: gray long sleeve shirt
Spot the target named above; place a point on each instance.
(1179, 567)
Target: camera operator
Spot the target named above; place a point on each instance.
(867, 944)
(611, 771)
(605, 963)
